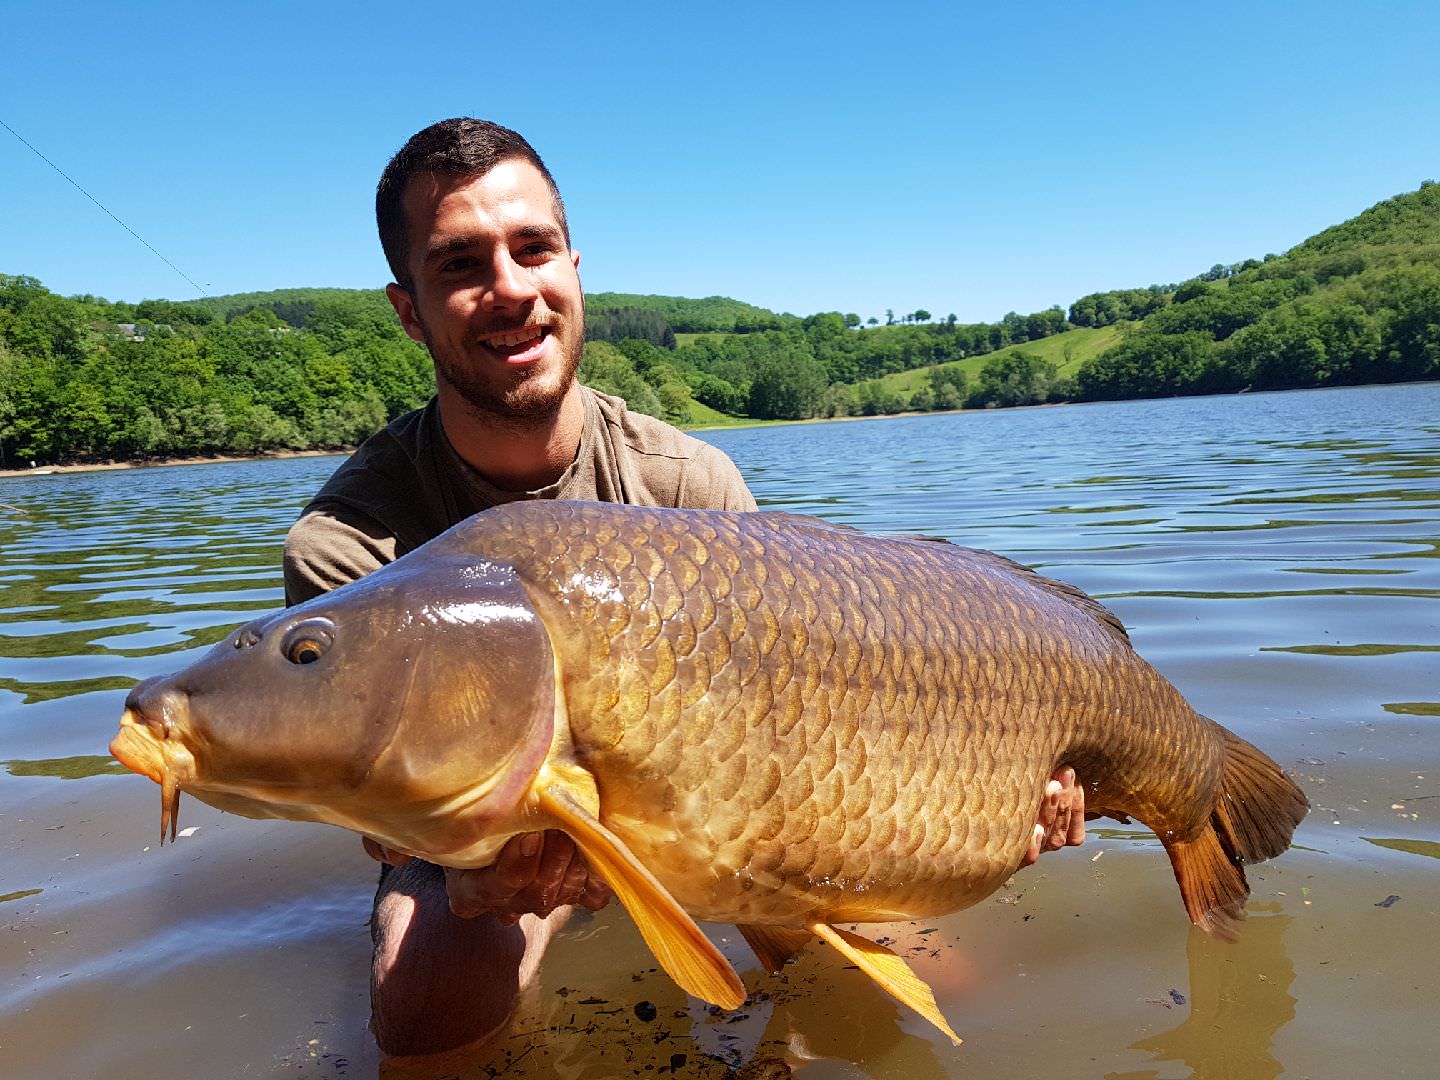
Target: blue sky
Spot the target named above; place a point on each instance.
(961, 158)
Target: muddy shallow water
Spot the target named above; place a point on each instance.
(1277, 556)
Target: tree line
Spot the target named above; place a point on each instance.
(85, 378)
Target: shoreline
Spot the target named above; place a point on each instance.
(275, 455)
(161, 463)
(740, 424)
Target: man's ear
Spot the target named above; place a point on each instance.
(404, 305)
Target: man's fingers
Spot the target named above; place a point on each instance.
(596, 895)
(1076, 834)
(1032, 853)
(554, 865)
(1068, 827)
(1060, 820)
(380, 853)
(515, 866)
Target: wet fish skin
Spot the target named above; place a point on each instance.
(787, 718)
(753, 718)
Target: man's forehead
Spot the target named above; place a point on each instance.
(513, 191)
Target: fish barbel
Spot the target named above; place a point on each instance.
(760, 719)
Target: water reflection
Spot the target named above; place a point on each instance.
(68, 768)
(1193, 516)
(1239, 1000)
(1428, 848)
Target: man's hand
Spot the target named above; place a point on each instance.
(534, 874)
(1062, 816)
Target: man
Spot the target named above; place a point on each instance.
(475, 233)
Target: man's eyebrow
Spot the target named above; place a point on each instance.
(449, 247)
(540, 232)
(465, 242)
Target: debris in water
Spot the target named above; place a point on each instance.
(1177, 997)
(646, 1011)
(1388, 901)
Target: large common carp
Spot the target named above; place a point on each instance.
(759, 719)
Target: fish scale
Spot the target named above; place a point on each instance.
(760, 719)
(899, 695)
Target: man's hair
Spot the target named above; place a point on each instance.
(462, 146)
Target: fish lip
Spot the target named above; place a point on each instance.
(150, 748)
(137, 747)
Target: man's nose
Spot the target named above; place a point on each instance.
(511, 286)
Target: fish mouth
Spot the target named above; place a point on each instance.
(165, 760)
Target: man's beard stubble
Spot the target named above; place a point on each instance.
(529, 401)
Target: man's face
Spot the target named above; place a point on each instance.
(496, 290)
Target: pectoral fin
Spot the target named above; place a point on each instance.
(773, 945)
(889, 970)
(685, 953)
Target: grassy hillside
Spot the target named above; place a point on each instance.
(1411, 219)
(224, 305)
(1066, 351)
(690, 316)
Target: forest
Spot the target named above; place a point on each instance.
(87, 379)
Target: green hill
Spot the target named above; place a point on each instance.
(224, 305)
(1410, 219)
(1067, 351)
(84, 378)
(687, 316)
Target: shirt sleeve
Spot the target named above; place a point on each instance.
(712, 482)
(332, 546)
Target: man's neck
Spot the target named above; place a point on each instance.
(516, 454)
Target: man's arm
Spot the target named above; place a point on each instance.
(712, 482)
(333, 546)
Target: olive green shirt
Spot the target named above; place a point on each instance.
(406, 485)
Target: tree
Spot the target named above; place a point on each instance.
(1016, 378)
(852, 321)
(921, 315)
(838, 400)
(787, 386)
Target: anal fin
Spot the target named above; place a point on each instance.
(1211, 881)
(890, 971)
(773, 945)
(686, 954)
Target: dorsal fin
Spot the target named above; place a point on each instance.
(1071, 593)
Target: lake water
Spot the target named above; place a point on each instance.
(1277, 556)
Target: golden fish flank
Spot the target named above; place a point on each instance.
(761, 719)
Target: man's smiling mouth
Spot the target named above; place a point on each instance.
(518, 344)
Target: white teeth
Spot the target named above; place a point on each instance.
(516, 337)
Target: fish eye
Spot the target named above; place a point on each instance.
(308, 641)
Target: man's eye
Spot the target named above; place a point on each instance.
(451, 266)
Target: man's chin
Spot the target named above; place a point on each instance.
(530, 401)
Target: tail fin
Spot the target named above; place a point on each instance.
(1259, 805)
(1254, 817)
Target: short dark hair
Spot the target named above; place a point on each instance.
(462, 146)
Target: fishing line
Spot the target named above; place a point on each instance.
(102, 206)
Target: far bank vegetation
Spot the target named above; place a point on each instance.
(83, 378)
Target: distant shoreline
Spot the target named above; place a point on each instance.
(739, 425)
(156, 463)
(277, 455)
